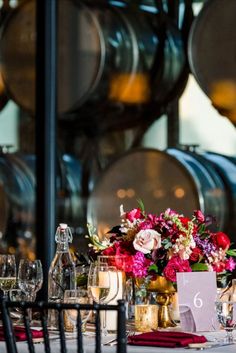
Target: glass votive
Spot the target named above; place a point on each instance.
(77, 296)
(146, 317)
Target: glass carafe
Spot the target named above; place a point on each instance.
(61, 275)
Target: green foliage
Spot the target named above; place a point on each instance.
(231, 252)
(141, 205)
(199, 267)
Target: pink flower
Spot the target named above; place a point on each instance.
(230, 264)
(175, 265)
(145, 225)
(199, 216)
(140, 265)
(147, 240)
(134, 214)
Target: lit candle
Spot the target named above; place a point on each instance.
(146, 317)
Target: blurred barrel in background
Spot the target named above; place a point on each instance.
(109, 57)
(177, 179)
(17, 199)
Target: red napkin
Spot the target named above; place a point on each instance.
(20, 333)
(170, 339)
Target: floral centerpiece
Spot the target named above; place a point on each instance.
(166, 243)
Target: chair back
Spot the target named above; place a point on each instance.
(42, 309)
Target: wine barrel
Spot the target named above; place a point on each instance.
(106, 53)
(17, 196)
(226, 168)
(176, 179)
(17, 199)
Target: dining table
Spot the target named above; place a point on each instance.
(89, 345)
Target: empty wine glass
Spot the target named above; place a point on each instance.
(103, 285)
(76, 296)
(225, 311)
(17, 295)
(7, 273)
(30, 277)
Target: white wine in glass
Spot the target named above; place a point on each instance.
(99, 293)
(103, 285)
(7, 273)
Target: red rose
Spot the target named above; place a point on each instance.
(219, 267)
(174, 265)
(109, 251)
(170, 273)
(184, 221)
(221, 240)
(196, 254)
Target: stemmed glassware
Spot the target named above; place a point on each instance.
(7, 273)
(226, 311)
(103, 286)
(17, 295)
(30, 277)
(226, 315)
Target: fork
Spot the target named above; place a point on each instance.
(113, 341)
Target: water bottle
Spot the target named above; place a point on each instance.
(61, 272)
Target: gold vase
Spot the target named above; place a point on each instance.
(165, 292)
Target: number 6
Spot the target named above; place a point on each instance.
(198, 303)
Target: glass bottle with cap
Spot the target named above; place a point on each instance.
(62, 275)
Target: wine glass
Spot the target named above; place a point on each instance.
(17, 295)
(76, 296)
(7, 273)
(30, 277)
(103, 286)
(225, 311)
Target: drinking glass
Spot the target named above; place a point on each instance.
(17, 295)
(30, 277)
(103, 286)
(76, 296)
(225, 311)
(7, 273)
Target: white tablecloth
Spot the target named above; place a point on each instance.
(89, 346)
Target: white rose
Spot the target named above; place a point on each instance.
(147, 240)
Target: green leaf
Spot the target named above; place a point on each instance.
(231, 252)
(199, 267)
(81, 280)
(141, 205)
(167, 246)
(153, 267)
(202, 228)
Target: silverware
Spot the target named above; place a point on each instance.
(203, 346)
(113, 341)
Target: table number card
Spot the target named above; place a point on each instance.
(197, 294)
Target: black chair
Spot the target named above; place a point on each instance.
(42, 308)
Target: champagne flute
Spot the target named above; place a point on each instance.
(30, 277)
(7, 273)
(103, 285)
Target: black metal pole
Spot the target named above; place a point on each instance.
(46, 54)
(173, 124)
